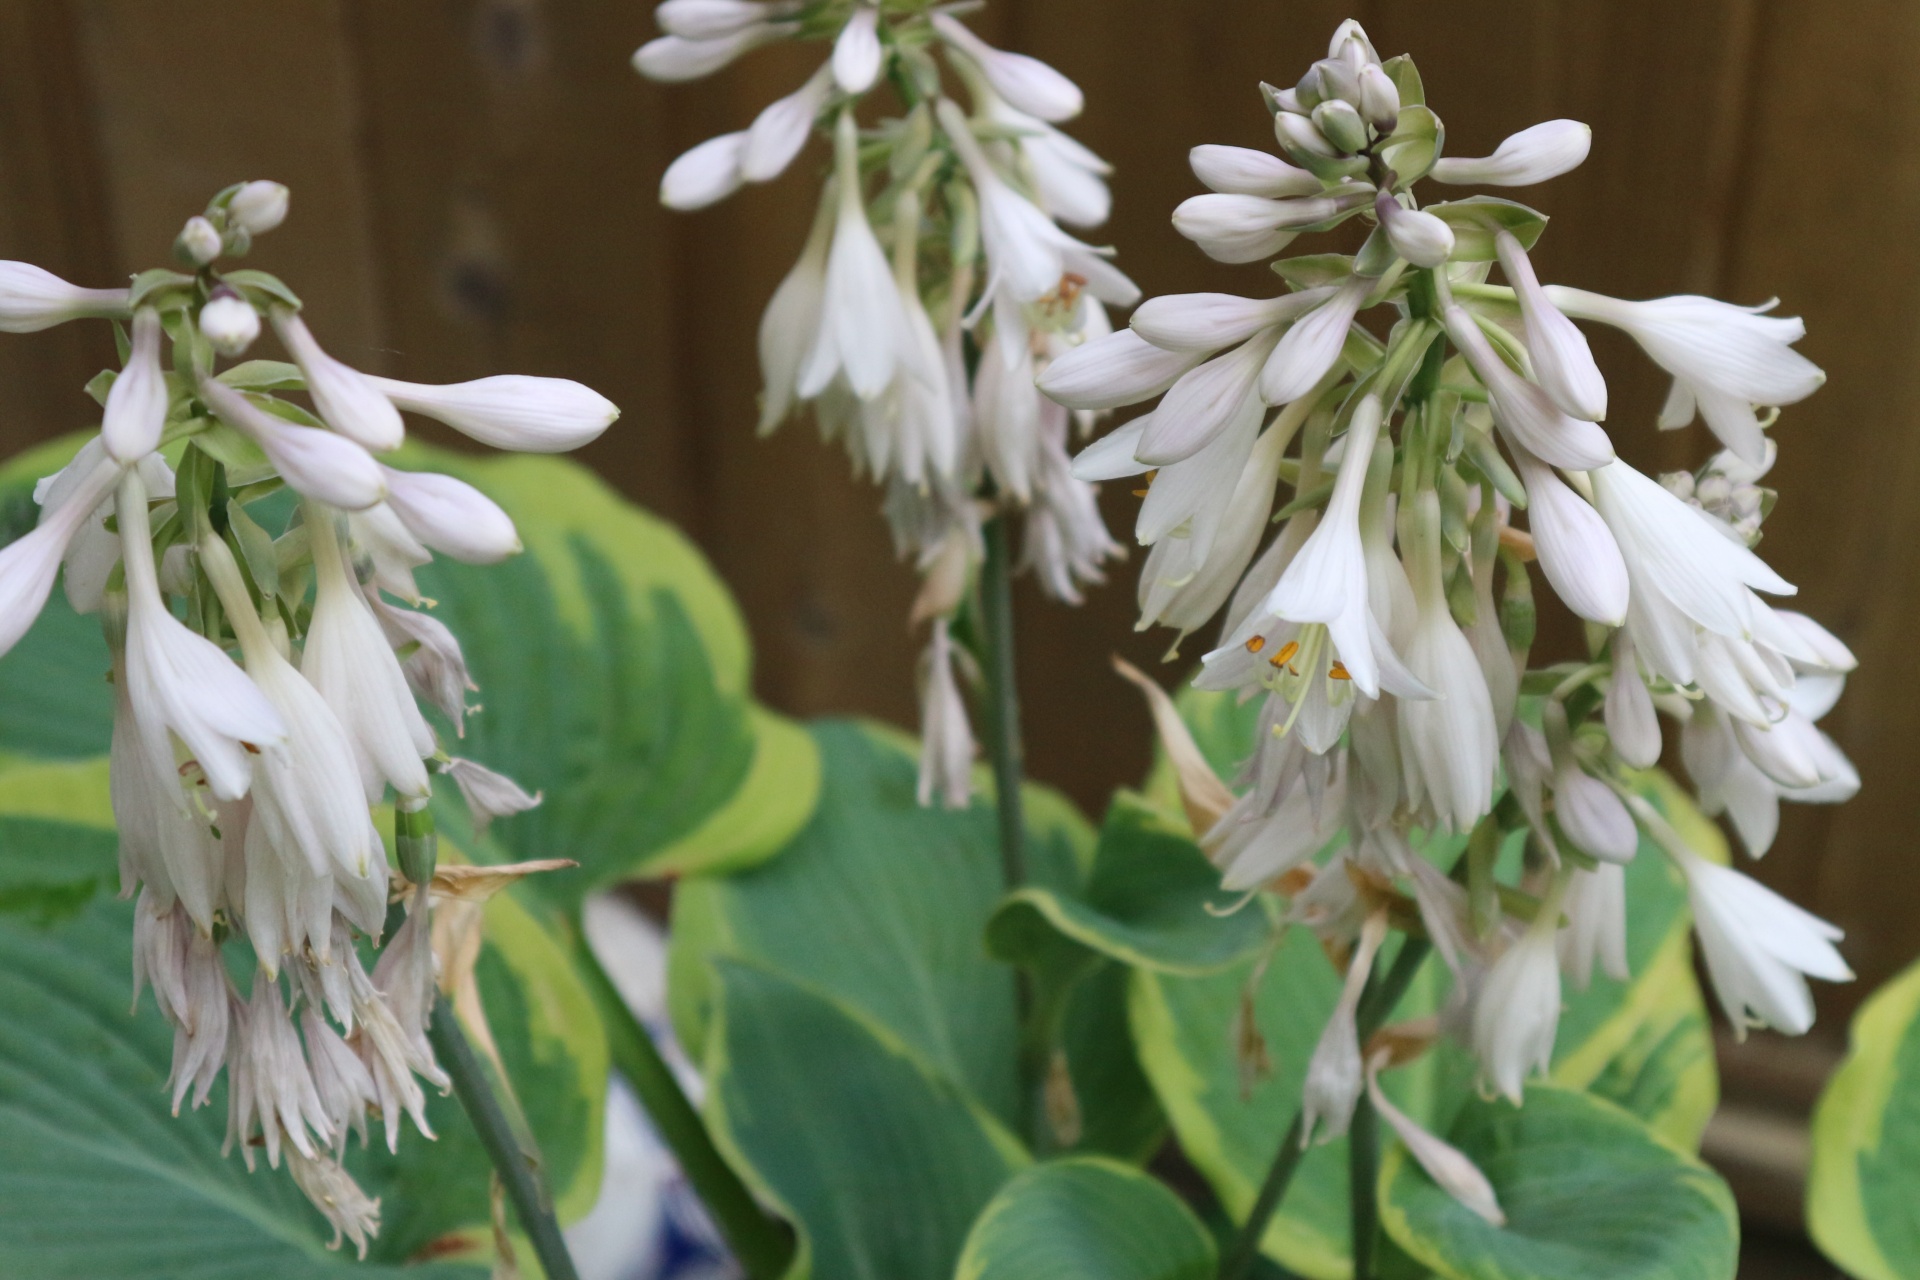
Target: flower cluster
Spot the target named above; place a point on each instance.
(935, 285)
(1386, 626)
(243, 788)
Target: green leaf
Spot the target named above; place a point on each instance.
(880, 904)
(1314, 270)
(1418, 139)
(1588, 1192)
(101, 1181)
(1152, 901)
(260, 287)
(1406, 78)
(148, 284)
(1086, 1219)
(1475, 219)
(1863, 1194)
(265, 375)
(880, 1159)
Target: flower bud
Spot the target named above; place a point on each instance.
(1309, 93)
(1339, 80)
(451, 516)
(1242, 171)
(1592, 816)
(1027, 84)
(856, 51)
(510, 411)
(32, 299)
(136, 408)
(198, 243)
(319, 464)
(1341, 125)
(708, 19)
(1299, 134)
(230, 324)
(671, 59)
(1532, 155)
(489, 795)
(705, 175)
(347, 399)
(1420, 238)
(1379, 99)
(778, 132)
(259, 207)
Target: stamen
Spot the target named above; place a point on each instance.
(1286, 655)
(1141, 492)
(1256, 644)
(1338, 672)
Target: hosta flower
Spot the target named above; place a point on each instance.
(29, 563)
(1309, 349)
(1027, 84)
(1118, 369)
(1517, 1009)
(347, 399)
(1523, 410)
(1577, 552)
(861, 324)
(1596, 932)
(32, 299)
(451, 516)
(1532, 155)
(946, 750)
(1759, 948)
(489, 795)
(1334, 1075)
(1562, 361)
(319, 464)
(510, 411)
(1242, 171)
(1449, 743)
(136, 408)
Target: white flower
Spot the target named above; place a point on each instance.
(790, 325)
(946, 740)
(706, 174)
(347, 399)
(1591, 814)
(1458, 1176)
(229, 324)
(1006, 416)
(1066, 540)
(318, 464)
(861, 324)
(451, 516)
(1235, 228)
(1027, 84)
(1334, 1074)
(1577, 553)
(1725, 360)
(1524, 411)
(1759, 948)
(341, 1080)
(1311, 347)
(1448, 744)
(393, 1008)
(1724, 757)
(259, 206)
(351, 1212)
(32, 299)
(1201, 406)
(94, 550)
(1068, 179)
(1596, 911)
(856, 50)
(269, 1086)
(711, 19)
(672, 59)
(1562, 361)
(782, 128)
(1628, 710)
(181, 682)
(436, 668)
(1210, 321)
(1116, 369)
(510, 411)
(1420, 238)
(1242, 171)
(348, 661)
(166, 841)
(136, 408)
(1532, 155)
(1517, 1009)
(29, 563)
(395, 553)
(489, 795)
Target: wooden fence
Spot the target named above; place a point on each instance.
(474, 192)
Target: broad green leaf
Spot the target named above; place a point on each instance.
(65, 970)
(1086, 1219)
(1588, 1191)
(881, 1160)
(1475, 219)
(1863, 1194)
(880, 904)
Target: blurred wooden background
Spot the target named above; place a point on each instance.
(474, 192)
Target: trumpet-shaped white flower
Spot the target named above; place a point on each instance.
(32, 299)
(946, 740)
(1069, 180)
(790, 325)
(1205, 403)
(706, 174)
(136, 408)
(857, 54)
(1116, 369)
(315, 463)
(1455, 1174)
(1028, 84)
(1759, 948)
(347, 399)
(782, 128)
(1334, 1072)
(489, 795)
(861, 324)
(1725, 360)
(29, 563)
(166, 841)
(1562, 361)
(1577, 552)
(1596, 911)
(1522, 409)
(351, 665)
(1420, 238)
(1630, 719)
(1242, 171)
(1517, 1009)
(509, 411)
(436, 669)
(1534, 154)
(451, 516)
(1312, 346)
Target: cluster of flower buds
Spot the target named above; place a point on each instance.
(243, 789)
(1386, 626)
(935, 284)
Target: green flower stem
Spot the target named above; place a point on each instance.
(509, 1146)
(1003, 700)
(1363, 1175)
(1376, 1003)
(762, 1244)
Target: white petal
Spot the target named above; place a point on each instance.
(1309, 349)
(348, 400)
(1532, 155)
(451, 516)
(1118, 369)
(706, 174)
(857, 52)
(510, 411)
(136, 409)
(1245, 172)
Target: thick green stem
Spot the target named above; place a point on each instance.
(1003, 700)
(1376, 1003)
(511, 1149)
(1363, 1173)
(762, 1244)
